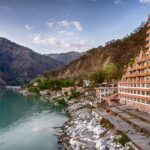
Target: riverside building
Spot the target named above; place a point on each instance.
(105, 90)
(134, 87)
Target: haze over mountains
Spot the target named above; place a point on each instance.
(19, 64)
(65, 58)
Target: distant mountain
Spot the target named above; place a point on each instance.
(19, 64)
(121, 52)
(65, 58)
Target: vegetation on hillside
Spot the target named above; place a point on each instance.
(107, 73)
(46, 83)
(19, 64)
(120, 52)
(45, 86)
(74, 94)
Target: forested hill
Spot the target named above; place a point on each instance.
(19, 64)
(120, 52)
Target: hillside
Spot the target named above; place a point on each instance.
(19, 64)
(65, 58)
(120, 52)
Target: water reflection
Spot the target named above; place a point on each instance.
(26, 123)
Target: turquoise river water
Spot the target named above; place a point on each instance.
(28, 123)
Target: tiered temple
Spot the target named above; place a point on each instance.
(134, 87)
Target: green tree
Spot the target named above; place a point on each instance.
(98, 76)
(66, 83)
(110, 71)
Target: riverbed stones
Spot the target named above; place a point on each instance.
(84, 131)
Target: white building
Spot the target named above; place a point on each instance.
(86, 83)
(105, 90)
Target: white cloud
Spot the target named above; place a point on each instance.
(77, 25)
(66, 33)
(37, 39)
(28, 27)
(144, 1)
(79, 44)
(65, 24)
(60, 43)
(117, 1)
(64, 38)
(50, 24)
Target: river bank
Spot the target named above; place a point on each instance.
(88, 130)
(85, 129)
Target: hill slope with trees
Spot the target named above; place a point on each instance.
(19, 64)
(118, 52)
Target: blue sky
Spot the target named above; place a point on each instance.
(53, 26)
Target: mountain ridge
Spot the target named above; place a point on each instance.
(20, 64)
(65, 58)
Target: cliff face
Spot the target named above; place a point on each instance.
(19, 64)
(120, 52)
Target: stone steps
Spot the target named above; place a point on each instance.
(141, 115)
(137, 123)
(139, 139)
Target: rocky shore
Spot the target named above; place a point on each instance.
(86, 130)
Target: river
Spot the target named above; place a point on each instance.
(28, 123)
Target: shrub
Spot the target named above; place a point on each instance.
(106, 123)
(62, 103)
(74, 94)
(66, 93)
(34, 90)
(51, 83)
(122, 138)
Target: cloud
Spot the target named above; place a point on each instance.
(50, 24)
(144, 1)
(65, 24)
(37, 39)
(65, 36)
(28, 27)
(66, 33)
(117, 1)
(61, 43)
(77, 25)
(52, 41)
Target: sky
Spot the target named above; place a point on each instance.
(55, 26)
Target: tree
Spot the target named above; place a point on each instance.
(98, 76)
(79, 82)
(110, 71)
